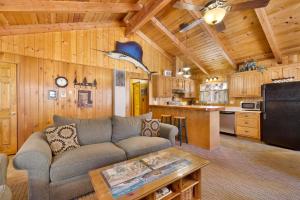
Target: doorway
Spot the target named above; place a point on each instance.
(139, 96)
(8, 108)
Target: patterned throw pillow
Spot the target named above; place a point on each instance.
(150, 127)
(62, 138)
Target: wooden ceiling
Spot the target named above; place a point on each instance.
(202, 47)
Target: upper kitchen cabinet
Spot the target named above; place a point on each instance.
(189, 88)
(274, 73)
(246, 84)
(162, 86)
(178, 83)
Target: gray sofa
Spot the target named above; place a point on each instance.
(103, 142)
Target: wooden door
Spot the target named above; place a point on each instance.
(236, 86)
(272, 73)
(8, 109)
(136, 99)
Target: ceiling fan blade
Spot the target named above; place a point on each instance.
(220, 27)
(250, 5)
(187, 6)
(187, 27)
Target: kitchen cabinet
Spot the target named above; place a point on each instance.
(178, 83)
(162, 86)
(246, 84)
(189, 88)
(281, 72)
(247, 124)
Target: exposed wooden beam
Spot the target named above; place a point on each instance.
(186, 52)
(43, 28)
(146, 38)
(269, 33)
(213, 35)
(149, 10)
(66, 6)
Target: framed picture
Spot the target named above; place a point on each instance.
(85, 99)
(120, 78)
(52, 94)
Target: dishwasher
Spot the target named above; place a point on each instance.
(227, 122)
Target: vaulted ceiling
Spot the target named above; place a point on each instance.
(250, 34)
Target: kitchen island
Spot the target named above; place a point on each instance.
(203, 122)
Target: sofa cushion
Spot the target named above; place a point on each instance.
(90, 131)
(83, 159)
(62, 138)
(125, 127)
(140, 145)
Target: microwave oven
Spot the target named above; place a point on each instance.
(251, 105)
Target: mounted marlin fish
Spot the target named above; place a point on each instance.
(131, 52)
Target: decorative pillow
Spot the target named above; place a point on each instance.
(62, 138)
(150, 127)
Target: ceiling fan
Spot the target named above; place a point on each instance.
(215, 11)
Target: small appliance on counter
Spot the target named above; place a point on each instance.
(251, 105)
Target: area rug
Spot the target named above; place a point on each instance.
(239, 170)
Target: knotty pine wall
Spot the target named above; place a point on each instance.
(40, 58)
(78, 47)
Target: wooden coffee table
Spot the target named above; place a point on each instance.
(181, 181)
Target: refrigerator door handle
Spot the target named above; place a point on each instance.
(264, 102)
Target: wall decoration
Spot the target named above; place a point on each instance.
(61, 81)
(131, 52)
(250, 66)
(85, 83)
(120, 78)
(52, 94)
(85, 99)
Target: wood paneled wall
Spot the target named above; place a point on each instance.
(40, 58)
(36, 77)
(79, 47)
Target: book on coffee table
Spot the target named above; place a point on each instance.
(123, 172)
(159, 160)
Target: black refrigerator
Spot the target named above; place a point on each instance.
(281, 115)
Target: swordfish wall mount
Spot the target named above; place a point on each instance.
(131, 52)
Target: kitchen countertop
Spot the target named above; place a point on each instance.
(239, 109)
(193, 107)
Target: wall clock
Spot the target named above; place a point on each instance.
(61, 82)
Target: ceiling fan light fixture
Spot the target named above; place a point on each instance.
(214, 16)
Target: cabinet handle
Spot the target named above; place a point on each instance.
(246, 131)
(246, 122)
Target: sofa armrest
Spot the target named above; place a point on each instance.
(169, 132)
(34, 154)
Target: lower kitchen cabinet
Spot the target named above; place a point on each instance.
(247, 124)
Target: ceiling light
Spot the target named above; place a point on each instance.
(186, 68)
(180, 72)
(214, 16)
